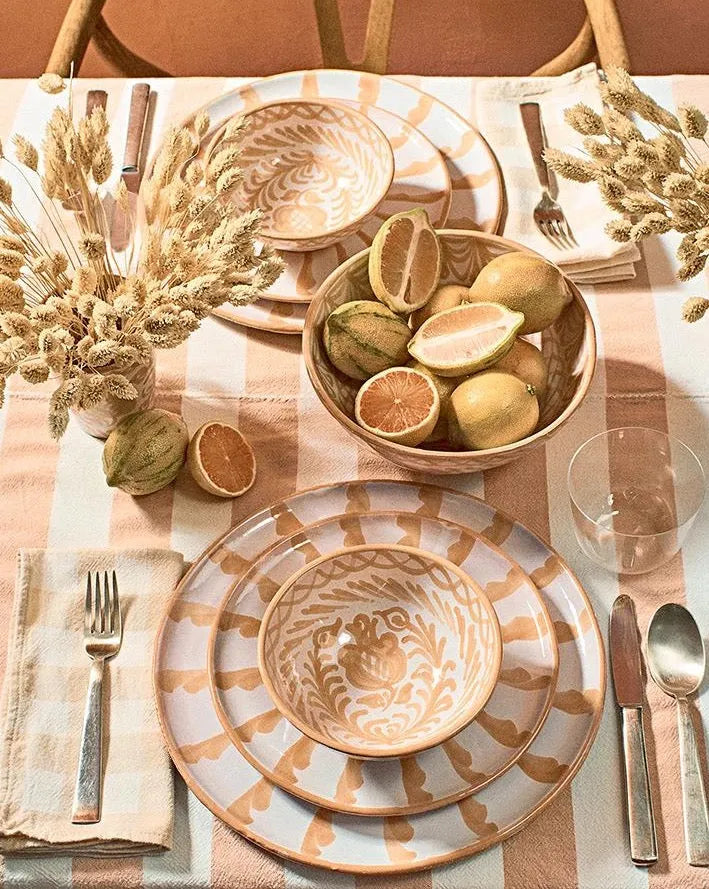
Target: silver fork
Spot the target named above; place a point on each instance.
(548, 215)
(103, 633)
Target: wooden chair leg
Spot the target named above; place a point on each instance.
(378, 35)
(608, 33)
(376, 43)
(83, 20)
(74, 35)
(332, 41)
(578, 52)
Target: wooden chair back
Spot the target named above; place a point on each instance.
(601, 32)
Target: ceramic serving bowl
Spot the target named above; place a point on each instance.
(380, 650)
(317, 170)
(569, 347)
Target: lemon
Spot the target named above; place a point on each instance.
(492, 409)
(446, 297)
(524, 283)
(466, 338)
(363, 337)
(526, 362)
(405, 261)
(145, 451)
(221, 460)
(399, 404)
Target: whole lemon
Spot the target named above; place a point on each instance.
(363, 337)
(145, 451)
(523, 283)
(526, 362)
(446, 297)
(491, 409)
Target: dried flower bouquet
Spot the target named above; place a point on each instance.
(657, 182)
(68, 310)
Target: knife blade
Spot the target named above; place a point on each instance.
(626, 669)
(130, 172)
(625, 654)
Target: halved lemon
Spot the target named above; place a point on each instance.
(221, 460)
(399, 404)
(466, 338)
(405, 261)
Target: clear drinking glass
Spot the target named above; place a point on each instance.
(635, 493)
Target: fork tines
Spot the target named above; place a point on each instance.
(552, 223)
(102, 612)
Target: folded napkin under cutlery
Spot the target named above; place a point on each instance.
(43, 703)
(597, 258)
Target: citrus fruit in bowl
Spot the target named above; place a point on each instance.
(462, 338)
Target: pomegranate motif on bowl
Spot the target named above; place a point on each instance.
(380, 651)
(372, 662)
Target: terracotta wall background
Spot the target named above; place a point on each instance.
(242, 37)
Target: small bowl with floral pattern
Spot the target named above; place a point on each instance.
(380, 650)
(315, 169)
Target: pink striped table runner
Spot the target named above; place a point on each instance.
(653, 372)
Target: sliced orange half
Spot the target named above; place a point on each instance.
(405, 261)
(221, 460)
(399, 404)
(466, 338)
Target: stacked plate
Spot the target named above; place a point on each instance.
(293, 792)
(440, 162)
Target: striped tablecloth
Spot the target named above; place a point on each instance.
(653, 372)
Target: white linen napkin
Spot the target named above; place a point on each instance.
(43, 705)
(597, 257)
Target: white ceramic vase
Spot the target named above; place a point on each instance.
(100, 420)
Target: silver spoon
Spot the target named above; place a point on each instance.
(675, 652)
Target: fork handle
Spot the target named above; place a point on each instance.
(532, 122)
(87, 792)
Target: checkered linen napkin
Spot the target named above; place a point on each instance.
(43, 703)
(597, 258)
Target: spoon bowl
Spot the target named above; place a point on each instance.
(675, 651)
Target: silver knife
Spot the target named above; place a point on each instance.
(628, 683)
(130, 172)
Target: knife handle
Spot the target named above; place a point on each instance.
(641, 821)
(532, 123)
(136, 124)
(95, 99)
(694, 798)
